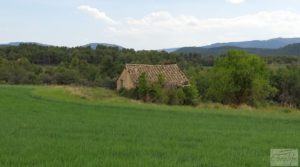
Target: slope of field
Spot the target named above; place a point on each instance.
(68, 126)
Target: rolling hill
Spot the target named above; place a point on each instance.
(289, 50)
(91, 45)
(94, 45)
(261, 44)
(19, 43)
(256, 46)
(272, 47)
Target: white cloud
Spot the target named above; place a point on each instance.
(162, 29)
(96, 13)
(236, 1)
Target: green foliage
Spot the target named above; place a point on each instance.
(287, 51)
(143, 88)
(202, 83)
(191, 95)
(161, 80)
(132, 93)
(239, 78)
(157, 93)
(287, 81)
(100, 67)
(172, 96)
(236, 78)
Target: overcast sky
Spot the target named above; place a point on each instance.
(147, 24)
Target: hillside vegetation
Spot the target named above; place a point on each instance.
(275, 80)
(274, 43)
(292, 50)
(75, 126)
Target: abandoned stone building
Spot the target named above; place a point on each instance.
(173, 76)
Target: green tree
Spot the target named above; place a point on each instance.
(239, 77)
(191, 95)
(156, 89)
(143, 87)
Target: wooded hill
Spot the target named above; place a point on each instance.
(292, 50)
(35, 64)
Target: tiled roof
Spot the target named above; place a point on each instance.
(173, 76)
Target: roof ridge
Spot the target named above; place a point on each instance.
(152, 64)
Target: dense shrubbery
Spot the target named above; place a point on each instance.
(233, 78)
(240, 78)
(287, 81)
(158, 93)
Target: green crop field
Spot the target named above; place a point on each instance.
(67, 126)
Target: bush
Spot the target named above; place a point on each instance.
(287, 81)
(105, 82)
(132, 93)
(66, 76)
(286, 111)
(172, 98)
(191, 95)
(45, 78)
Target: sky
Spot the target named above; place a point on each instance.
(147, 24)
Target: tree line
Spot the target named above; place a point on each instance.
(232, 78)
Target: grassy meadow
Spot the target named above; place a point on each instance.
(46, 126)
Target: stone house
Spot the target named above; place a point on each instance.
(173, 76)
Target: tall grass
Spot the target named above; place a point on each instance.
(59, 126)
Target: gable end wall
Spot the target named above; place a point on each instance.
(127, 81)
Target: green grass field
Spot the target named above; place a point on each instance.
(75, 127)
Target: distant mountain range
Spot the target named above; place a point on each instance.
(272, 47)
(91, 45)
(94, 45)
(275, 43)
(169, 50)
(289, 50)
(19, 43)
(264, 44)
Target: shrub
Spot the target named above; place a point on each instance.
(66, 76)
(143, 88)
(46, 78)
(191, 95)
(287, 81)
(286, 111)
(132, 93)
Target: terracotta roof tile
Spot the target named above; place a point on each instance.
(172, 74)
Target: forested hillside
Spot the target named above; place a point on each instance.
(274, 43)
(292, 50)
(35, 64)
(31, 63)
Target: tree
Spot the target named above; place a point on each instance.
(143, 87)
(156, 89)
(239, 77)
